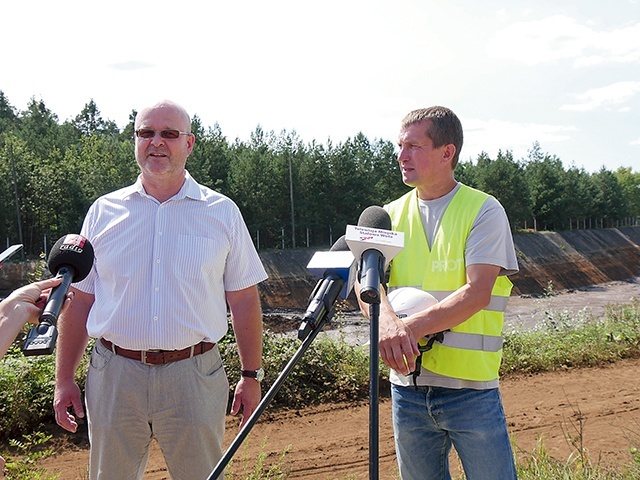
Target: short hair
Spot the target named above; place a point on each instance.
(444, 127)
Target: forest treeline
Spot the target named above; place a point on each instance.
(291, 193)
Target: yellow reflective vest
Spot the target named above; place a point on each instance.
(471, 350)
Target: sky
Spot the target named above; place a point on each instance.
(563, 74)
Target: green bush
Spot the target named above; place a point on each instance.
(329, 371)
(26, 393)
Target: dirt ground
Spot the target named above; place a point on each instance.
(332, 441)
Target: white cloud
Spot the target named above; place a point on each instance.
(131, 65)
(540, 41)
(612, 96)
(621, 45)
(516, 137)
(559, 37)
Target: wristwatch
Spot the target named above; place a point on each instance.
(257, 375)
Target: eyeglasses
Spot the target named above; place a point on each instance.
(168, 134)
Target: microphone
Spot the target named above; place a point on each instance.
(374, 243)
(71, 259)
(336, 270)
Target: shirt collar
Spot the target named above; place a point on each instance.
(189, 189)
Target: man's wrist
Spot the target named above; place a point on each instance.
(257, 375)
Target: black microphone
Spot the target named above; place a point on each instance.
(336, 269)
(373, 260)
(373, 242)
(71, 259)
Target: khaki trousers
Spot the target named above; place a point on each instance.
(182, 404)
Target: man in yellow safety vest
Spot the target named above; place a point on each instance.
(445, 358)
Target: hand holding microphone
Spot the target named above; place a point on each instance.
(23, 305)
(71, 259)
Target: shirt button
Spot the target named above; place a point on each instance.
(155, 319)
(158, 261)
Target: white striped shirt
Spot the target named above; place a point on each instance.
(161, 269)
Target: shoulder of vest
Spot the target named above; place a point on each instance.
(467, 190)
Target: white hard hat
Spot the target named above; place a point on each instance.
(406, 301)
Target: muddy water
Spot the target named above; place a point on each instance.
(523, 312)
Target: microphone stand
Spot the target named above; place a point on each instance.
(372, 267)
(374, 375)
(244, 431)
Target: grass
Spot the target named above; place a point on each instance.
(561, 341)
(24, 466)
(539, 465)
(250, 468)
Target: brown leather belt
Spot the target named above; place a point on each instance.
(159, 357)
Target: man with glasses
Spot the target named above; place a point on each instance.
(170, 256)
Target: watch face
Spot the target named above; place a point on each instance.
(256, 374)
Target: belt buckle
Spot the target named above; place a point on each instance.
(143, 356)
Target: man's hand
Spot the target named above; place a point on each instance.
(246, 398)
(398, 347)
(67, 395)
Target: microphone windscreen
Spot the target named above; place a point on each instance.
(74, 251)
(375, 217)
(340, 245)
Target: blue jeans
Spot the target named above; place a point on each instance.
(427, 421)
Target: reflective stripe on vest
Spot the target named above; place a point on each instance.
(472, 341)
(497, 303)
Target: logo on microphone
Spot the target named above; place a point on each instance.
(74, 243)
(388, 242)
